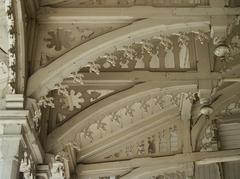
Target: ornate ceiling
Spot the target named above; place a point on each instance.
(124, 82)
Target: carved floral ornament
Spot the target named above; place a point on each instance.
(108, 123)
(129, 54)
(12, 46)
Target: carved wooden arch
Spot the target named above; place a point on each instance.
(141, 94)
(44, 80)
(229, 95)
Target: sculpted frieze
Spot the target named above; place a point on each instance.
(163, 141)
(135, 55)
(125, 116)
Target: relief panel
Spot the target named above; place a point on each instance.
(165, 140)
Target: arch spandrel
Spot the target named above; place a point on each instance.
(114, 116)
(88, 52)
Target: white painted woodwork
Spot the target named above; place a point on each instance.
(139, 123)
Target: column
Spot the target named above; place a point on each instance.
(10, 141)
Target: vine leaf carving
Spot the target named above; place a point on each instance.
(59, 39)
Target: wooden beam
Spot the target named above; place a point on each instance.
(162, 162)
(143, 76)
(47, 15)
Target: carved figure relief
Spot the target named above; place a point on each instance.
(169, 58)
(139, 62)
(57, 168)
(151, 145)
(141, 148)
(155, 62)
(26, 166)
(184, 51)
(132, 113)
(145, 145)
(35, 113)
(209, 141)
